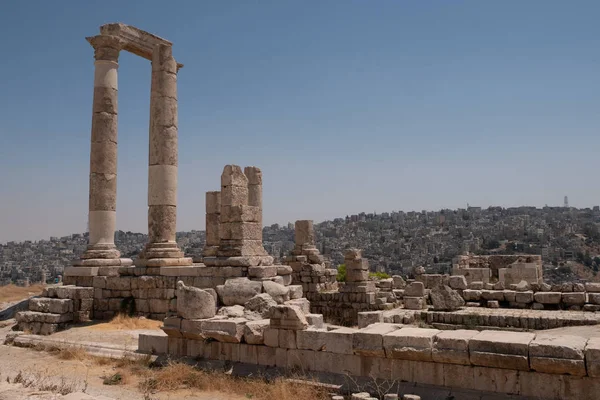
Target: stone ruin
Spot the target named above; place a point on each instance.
(508, 269)
(232, 304)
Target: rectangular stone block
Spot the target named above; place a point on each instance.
(344, 364)
(304, 232)
(410, 343)
(575, 298)
(229, 330)
(592, 357)
(339, 341)
(356, 275)
(414, 289)
(154, 343)
(47, 305)
(241, 213)
(414, 303)
(213, 202)
(548, 297)
(303, 360)
(271, 337)
(558, 354)
(311, 339)
(501, 349)
(452, 347)
(369, 341)
(266, 356)
(287, 339)
(524, 297)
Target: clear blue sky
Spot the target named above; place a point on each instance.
(347, 106)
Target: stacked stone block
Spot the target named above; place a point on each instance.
(239, 222)
(213, 223)
(357, 273)
(308, 266)
(57, 307)
(414, 296)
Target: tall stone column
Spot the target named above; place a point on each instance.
(101, 250)
(162, 249)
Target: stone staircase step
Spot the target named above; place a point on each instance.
(49, 305)
(46, 318)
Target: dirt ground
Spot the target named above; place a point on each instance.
(80, 375)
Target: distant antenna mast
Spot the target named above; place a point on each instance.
(566, 202)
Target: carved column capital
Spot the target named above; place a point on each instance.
(106, 47)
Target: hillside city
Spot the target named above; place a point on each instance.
(567, 238)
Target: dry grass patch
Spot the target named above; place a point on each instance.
(9, 293)
(125, 322)
(182, 376)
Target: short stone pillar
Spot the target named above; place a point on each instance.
(240, 230)
(162, 249)
(102, 255)
(254, 176)
(357, 273)
(308, 266)
(213, 222)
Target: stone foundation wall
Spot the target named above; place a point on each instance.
(136, 291)
(518, 363)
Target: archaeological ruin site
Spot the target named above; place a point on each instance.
(475, 333)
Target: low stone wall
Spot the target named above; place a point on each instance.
(483, 318)
(520, 363)
(151, 292)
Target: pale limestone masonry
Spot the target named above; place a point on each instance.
(213, 223)
(239, 222)
(508, 269)
(57, 307)
(338, 303)
(542, 365)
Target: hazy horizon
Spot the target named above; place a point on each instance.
(347, 107)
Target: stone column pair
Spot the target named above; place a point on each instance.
(162, 249)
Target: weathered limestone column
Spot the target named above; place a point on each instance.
(162, 249)
(101, 251)
(213, 222)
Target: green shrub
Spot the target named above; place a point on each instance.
(341, 275)
(378, 275)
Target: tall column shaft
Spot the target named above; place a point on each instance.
(103, 153)
(162, 163)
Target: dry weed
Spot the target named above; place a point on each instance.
(125, 322)
(179, 376)
(9, 293)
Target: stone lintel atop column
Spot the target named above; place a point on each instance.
(135, 40)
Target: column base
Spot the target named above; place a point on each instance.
(164, 262)
(97, 266)
(162, 255)
(101, 251)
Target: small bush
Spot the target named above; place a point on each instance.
(341, 275)
(378, 275)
